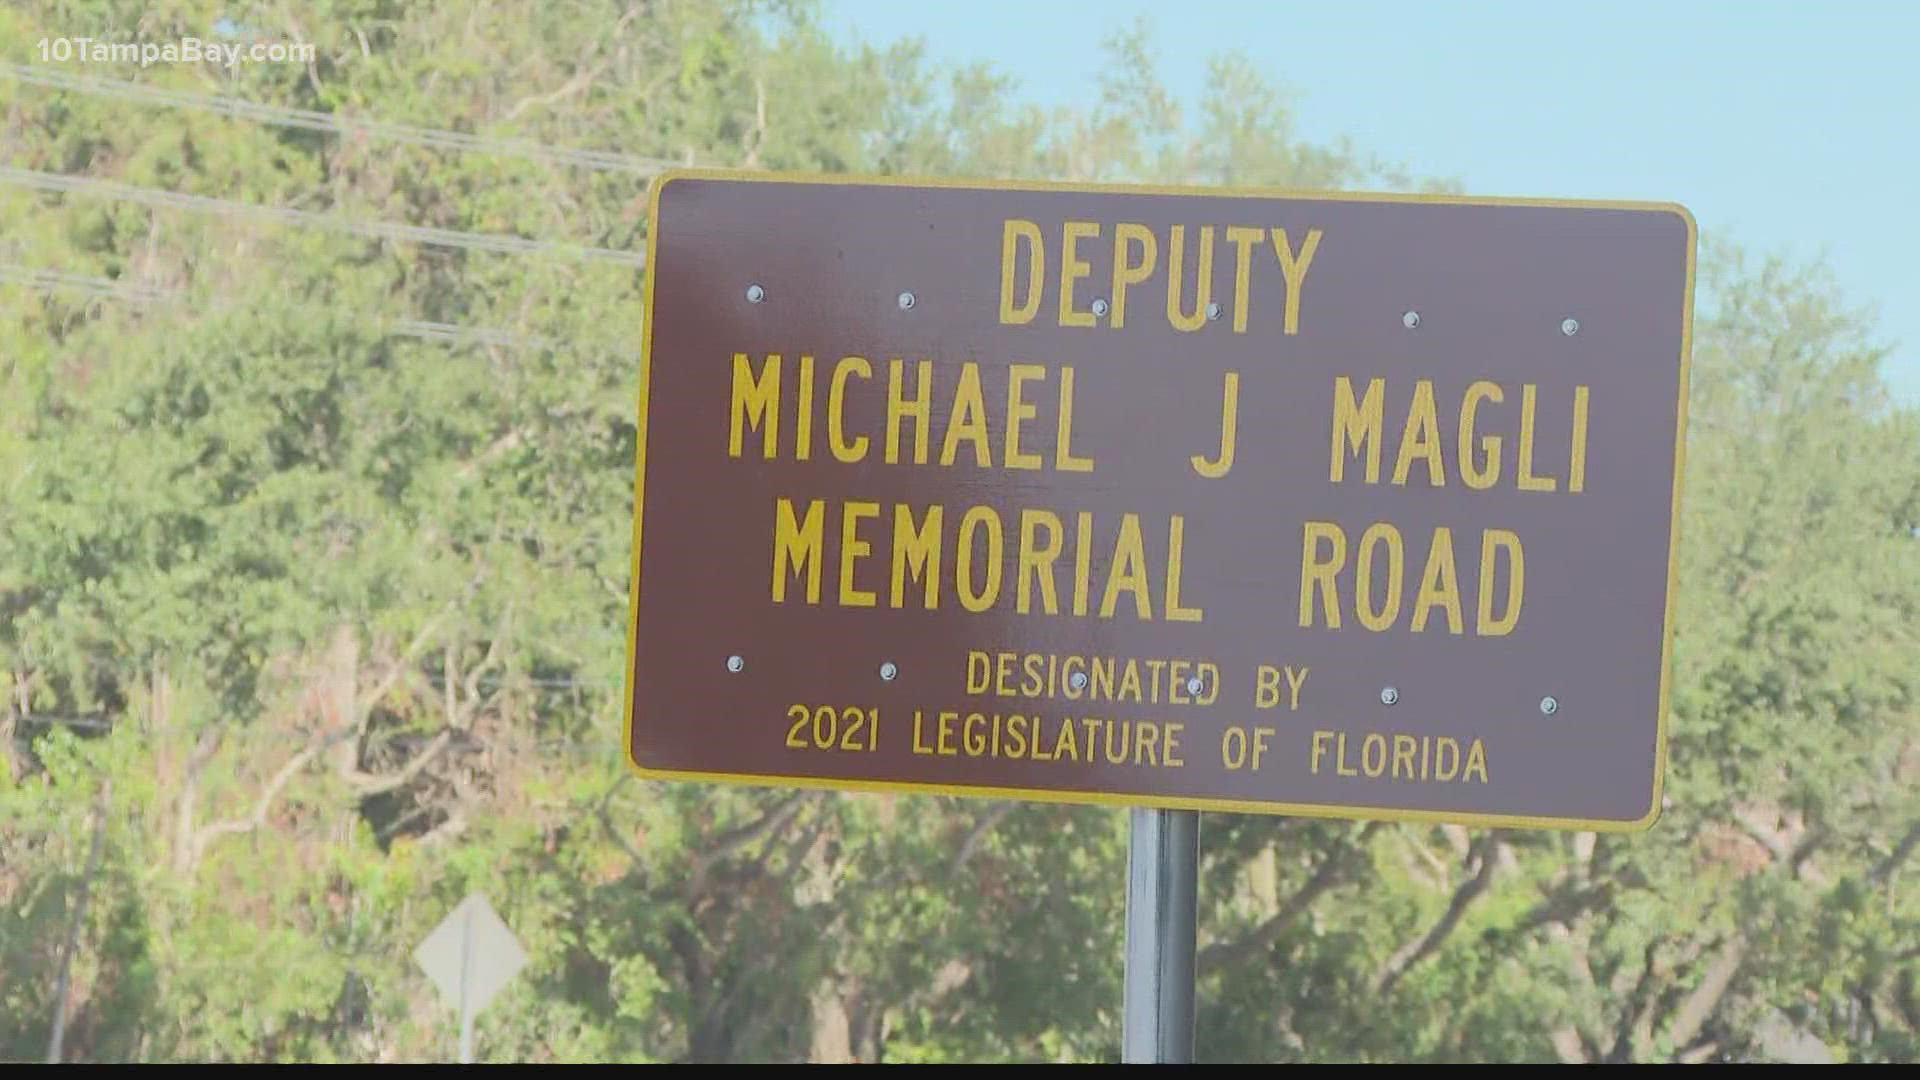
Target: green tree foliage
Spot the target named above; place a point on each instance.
(317, 625)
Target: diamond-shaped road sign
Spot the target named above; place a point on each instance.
(470, 956)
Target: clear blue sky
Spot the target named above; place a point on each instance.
(1790, 128)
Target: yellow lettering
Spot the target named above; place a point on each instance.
(979, 666)
(1126, 272)
(1018, 412)
(916, 551)
(1421, 438)
(1012, 233)
(1102, 683)
(1373, 754)
(976, 518)
(1146, 742)
(1316, 575)
(1129, 572)
(1072, 269)
(1492, 540)
(1209, 675)
(1176, 545)
(1478, 476)
(1577, 470)
(1319, 740)
(1372, 618)
(1295, 677)
(971, 738)
(1068, 667)
(1233, 748)
(899, 408)
(1063, 459)
(756, 400)
(1295, 269)
(1476, 762)
(1017, 740)
(1244, 239)
(797, 546)
(1266, 687)
(1039, 559)
(1082, 560)
(853, 548)
(967, 420)
(844, 451)
(1357, 426)
(1229, 419)
(1438, 586)
(1528, 481)
(803, 437)
(1065, 744)
(1176, 279)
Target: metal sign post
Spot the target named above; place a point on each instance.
(470, 956)
(1163, 877)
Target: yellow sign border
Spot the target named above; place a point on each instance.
(1335, 811)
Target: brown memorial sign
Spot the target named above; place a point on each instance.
(1324, 505)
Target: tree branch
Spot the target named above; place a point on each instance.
(1563, 906)
(802, 844)
(1699, 1005)
(570, 87)
(1331, 872)
(1568, 1046)
(1641, 998)
(367, 785)
(237, 826)
(1885, 868)
(1903, 999)
(363, 708)
(1695, 1055)
(487, 662)
(733, 840)
(976, 835)
(1760, 832)
(1463, 897)
(183, 835)
(99, 815)
(602, 812)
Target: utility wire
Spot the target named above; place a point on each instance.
(49, 280)
(108, 289)
(513, 245)
(311, 120)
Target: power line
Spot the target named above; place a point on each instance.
(85, 722)
(108, 289)
(333, 123)
(50, 280)
(382, 230)
(452, 334)
(436, 679)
